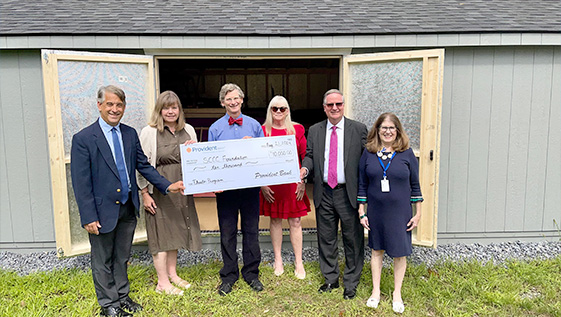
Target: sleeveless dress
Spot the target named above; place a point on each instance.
(175, 224)
(389, 212)
(285, 205)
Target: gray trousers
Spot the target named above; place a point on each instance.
(109, 256)
(334, 208)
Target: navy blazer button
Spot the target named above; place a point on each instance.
(117, 202)
(118, 190)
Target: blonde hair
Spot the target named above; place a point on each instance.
(278, 101)
(373, 141)
(166, 99)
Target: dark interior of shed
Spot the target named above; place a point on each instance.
(197, 83)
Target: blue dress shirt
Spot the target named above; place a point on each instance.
(220, 130)
(106, 128)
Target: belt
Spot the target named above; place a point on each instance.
(339, 186)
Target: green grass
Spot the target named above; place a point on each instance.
(468, 289)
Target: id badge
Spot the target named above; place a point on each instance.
(385, 185)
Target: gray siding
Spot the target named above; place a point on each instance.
(500, 177)
(26, 214)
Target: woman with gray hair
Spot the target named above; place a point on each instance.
(287, 201)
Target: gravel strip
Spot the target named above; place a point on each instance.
(496, 253)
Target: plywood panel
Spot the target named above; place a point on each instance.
(409, 84)
(17, 173)
(459, 139)
(539, 131)
(36, 145)
(499, 133)
(552, 199)
(71, 80)
(519, 134)
(479, 139)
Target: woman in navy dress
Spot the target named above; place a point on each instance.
(389, 184)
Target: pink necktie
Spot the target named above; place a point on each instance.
(332, 171)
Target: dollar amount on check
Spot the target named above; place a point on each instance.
(235, 164)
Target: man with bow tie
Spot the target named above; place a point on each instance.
(234, 125)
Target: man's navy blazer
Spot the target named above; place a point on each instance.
(95, 177)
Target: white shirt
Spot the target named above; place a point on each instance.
(340, 151)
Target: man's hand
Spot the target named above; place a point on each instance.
(149, 203)
(176, 187)
(303, 172)
(93, 227)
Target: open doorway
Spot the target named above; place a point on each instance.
(197, 81)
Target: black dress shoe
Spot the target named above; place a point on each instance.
(129, 305)
(114, 311)
(224, 288)
(327, 287)
(349, 293)
(256, 285)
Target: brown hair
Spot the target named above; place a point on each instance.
(373, 142)
(166, 99)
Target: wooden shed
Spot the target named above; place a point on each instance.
(477, 84)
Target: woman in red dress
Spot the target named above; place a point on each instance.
(287, 201)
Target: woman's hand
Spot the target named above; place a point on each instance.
(412, 224)
(149, 204)
(189, 142)
(268, 194)
(362, 218)
(300, 190)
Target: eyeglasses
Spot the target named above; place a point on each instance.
(331, 105)
(391, 129)
(236, 99)
(281, 109)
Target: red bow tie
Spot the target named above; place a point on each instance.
(237, 121)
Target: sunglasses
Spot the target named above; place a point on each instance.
(281, 109)
(335, 104)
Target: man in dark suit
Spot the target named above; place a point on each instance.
(332, 156)
(104, 158)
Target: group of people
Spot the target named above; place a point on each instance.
(349, 166)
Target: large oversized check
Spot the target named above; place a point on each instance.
(234, 164)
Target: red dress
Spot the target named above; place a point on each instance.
(285, 205)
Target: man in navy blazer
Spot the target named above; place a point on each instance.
(335, 200)
(104, 158)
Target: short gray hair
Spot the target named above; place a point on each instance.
(227, 88)
(332, 91)
(112, 89)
